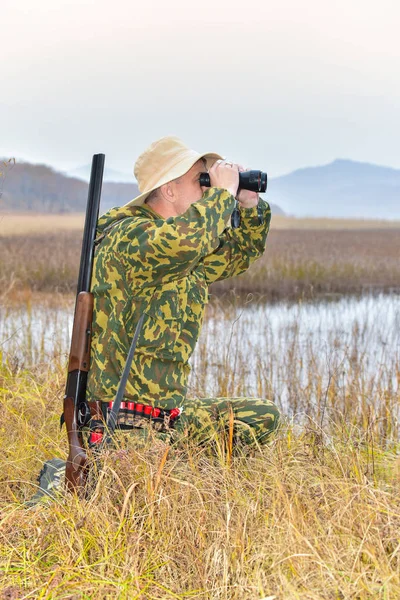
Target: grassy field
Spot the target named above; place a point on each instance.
(36, 224)
(18, 224)
(42, 254)
(314, 515)
(283, 222)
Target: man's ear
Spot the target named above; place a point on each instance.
(168, 193)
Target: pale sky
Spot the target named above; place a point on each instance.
(274, 85)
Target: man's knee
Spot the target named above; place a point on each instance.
(261, 415)
(255, 419)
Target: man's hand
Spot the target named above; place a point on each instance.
(225, 175)
(246, 198)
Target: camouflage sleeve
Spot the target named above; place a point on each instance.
(161, 250)
(240, 247)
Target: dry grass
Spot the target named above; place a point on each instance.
(314, 516)
(48, 262)
(17, 224)
(297, 263)
(282, 222)
(306, 263)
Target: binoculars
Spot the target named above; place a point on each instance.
(255, 181)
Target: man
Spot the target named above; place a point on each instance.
(157, 256)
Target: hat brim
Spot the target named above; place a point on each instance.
(184, 167)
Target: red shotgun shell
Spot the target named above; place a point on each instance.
(95, 437)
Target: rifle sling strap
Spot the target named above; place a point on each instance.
(113, 415)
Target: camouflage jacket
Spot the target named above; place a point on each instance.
(162, 267)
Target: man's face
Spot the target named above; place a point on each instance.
(187, 189)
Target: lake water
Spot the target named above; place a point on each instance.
(286, 347)
(258, 349)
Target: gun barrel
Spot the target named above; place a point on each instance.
(92, 215)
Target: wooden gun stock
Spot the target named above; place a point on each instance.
(76, 409)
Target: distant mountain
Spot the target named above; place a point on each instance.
(109, 174)
(40, 188)
(343, 188)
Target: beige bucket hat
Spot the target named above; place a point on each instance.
(165, 160)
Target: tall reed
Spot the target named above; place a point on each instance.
(296, 263)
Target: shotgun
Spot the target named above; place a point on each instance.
(77, 412)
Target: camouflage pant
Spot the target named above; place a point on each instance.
(254, 419)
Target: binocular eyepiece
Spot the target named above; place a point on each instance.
(255, 181)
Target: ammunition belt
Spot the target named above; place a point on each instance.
(134, 415)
